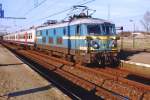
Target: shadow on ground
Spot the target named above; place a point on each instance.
(139, 79)
(29, 91)
(124, 55)
(11, 64)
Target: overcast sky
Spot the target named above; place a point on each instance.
(121, 11)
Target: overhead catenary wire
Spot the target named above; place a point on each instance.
(30, 10)
(62, 11)
(51, 5)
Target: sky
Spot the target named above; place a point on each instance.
(121, 12)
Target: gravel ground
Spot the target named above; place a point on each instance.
(19, 82)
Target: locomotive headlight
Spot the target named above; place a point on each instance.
(95, 44)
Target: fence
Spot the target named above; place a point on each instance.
(136, 43)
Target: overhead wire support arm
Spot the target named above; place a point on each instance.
(62, 11)
(57, 13)
(81, 11)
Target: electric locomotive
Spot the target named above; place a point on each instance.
(81, 39)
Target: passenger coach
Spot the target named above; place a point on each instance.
(26, 37)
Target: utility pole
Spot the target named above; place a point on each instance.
(132, 21)
(133, 35)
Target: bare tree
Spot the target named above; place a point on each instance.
(146, 21)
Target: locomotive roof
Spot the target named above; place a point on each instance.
(76, 21)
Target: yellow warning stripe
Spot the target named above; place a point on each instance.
(91, 37)
(91, 48)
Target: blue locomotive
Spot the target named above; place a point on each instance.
(83, 40)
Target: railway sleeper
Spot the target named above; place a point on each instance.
(77, 81)
(107, 95)
(83, 75)
(135, 85)
(123, 89)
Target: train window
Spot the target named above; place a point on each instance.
(31, 35)
(54, 31)
(64, 31)
(93, 29)
(44, 39)
(59, 40)
(104, 29)
(50, 40)
(108, 29)
(39, 33)
(47, 32)
(78, 29)
(28, 36)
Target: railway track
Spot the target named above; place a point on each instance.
(107, 83)
(75, 92)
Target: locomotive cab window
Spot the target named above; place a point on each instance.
(93, 29)
(108, 29)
